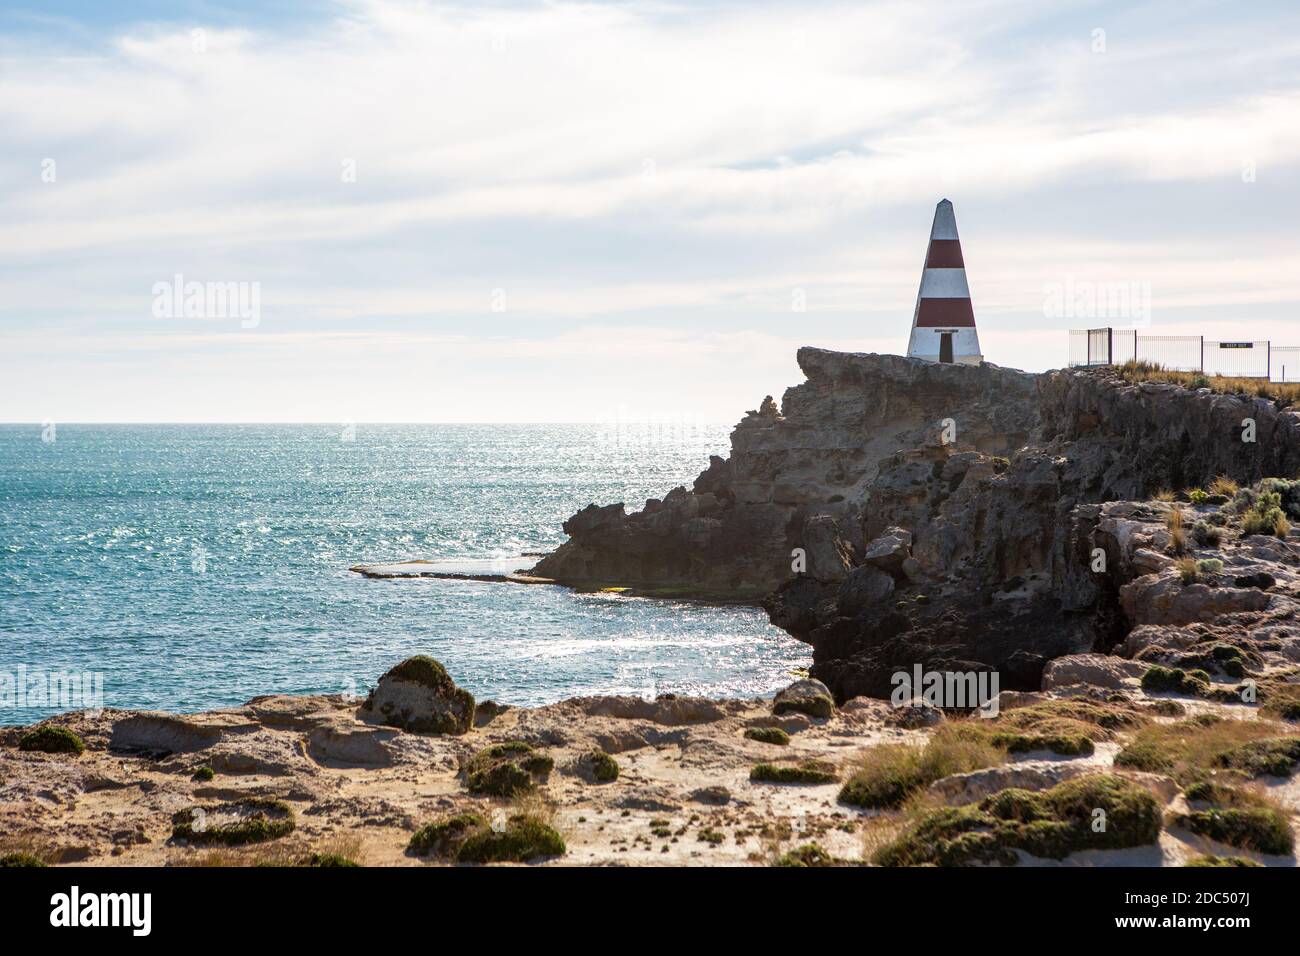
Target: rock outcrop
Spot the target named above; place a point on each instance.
(896, 512)
(419, 695)
(797, 478)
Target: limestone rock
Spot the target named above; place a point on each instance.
(1096, 670)
(418, 695)
(809, 696)
(889, 551)
(964, 788)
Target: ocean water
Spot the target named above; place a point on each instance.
(188, 567)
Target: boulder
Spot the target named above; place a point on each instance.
(889, 551)
(1096, 670)
(1165, 599)
(808, 696)
(419, 696)
(963, 788)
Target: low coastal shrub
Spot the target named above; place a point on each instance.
(768, 735)
(601, 766)
(1209, 859)
(1197, 496)
(1188, 570)
(1197, 748)
(1159, 679)
(525, 837)
(16, 860)
(1209, 566)
(234, 824)
(710, 836)
(1262, 829)
(203, 773)
(51, 740)
(507, 769)
(443, 836)
(808, 771)
(1205, 534)
(469, 838)
(888, 774)
(1176, 522)
(810, 854)
(1266, 516)
(328, 860)
(1051, 824)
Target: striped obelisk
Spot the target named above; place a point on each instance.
(943, 325)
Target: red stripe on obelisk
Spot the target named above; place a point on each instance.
(945, 313)
(944, 254)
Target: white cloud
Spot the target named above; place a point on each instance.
(646, 168)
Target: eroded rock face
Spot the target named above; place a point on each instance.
(796, 478)
(418, 695)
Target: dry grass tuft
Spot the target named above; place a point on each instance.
(1284, 393)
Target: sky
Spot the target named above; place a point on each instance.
(517, 212)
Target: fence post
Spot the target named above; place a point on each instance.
(1110, 345)
(1202, 354)
(1268, 344)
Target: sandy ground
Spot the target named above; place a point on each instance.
(364, 789)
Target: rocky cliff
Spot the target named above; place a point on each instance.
(897, 512)
(797, 477)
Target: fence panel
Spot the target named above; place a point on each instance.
(1237, 359)
(1123, 346)
(1078, 347)
(1099, 346)
(1285, 364)
(1180, 353)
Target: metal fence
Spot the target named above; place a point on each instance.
(1186, 353)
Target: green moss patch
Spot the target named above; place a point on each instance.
(1263, 829)
(233, 824)
(808, 771)
(1276, 756)
(1051, 824)
(422, 669)
(814, 705)
(768, 735)
(507, 769)
(1159, 679)
(20, 860)
(51, 740)
(1209, 859)
(203, 773)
